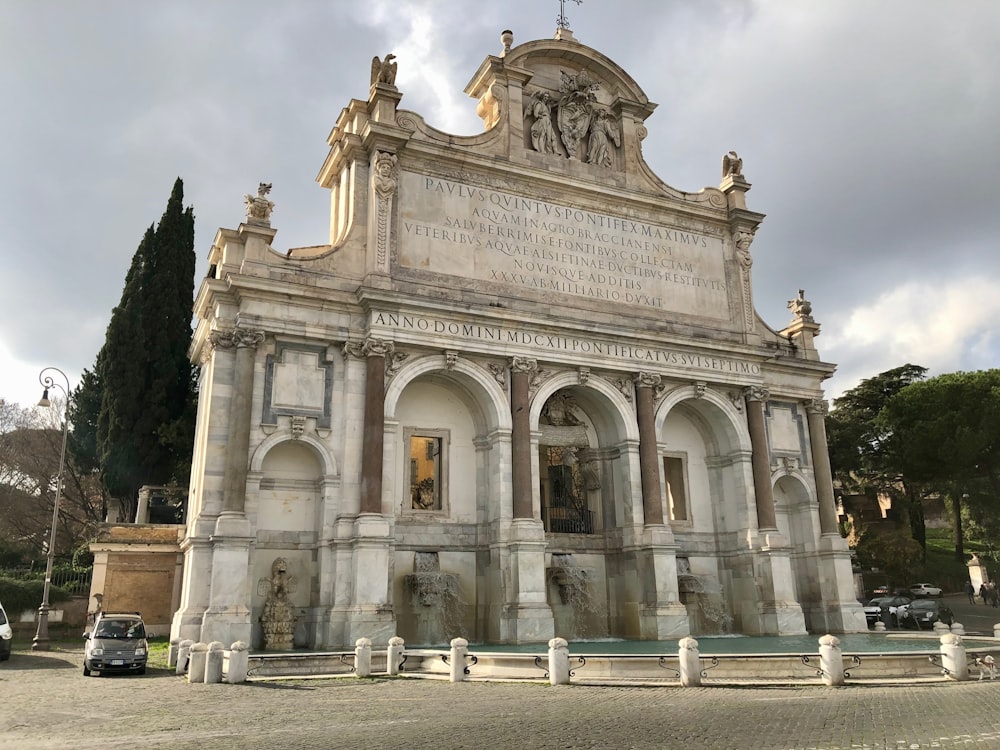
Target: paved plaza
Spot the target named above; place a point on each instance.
(47, 703)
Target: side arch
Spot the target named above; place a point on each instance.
(479, 386)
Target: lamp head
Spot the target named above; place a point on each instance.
(44, 400)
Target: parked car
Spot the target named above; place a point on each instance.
(116, 644)
(895, 604)
(6, 636)
(923, 613)
(925, 589)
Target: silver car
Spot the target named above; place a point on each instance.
(116, 644)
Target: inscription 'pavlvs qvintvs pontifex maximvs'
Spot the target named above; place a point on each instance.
(488, 235)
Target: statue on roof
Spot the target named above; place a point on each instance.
(732, 165)
(801, 307)
(384, 71)
(258, 206)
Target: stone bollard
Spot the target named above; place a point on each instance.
(459, 652)
(363, 657)
(199, 657)
(213, 664)
(172, 653)
(940, 628)
(690, 664)
(831, 660)
(183, 656)
(558, 662)
(879, 626)
(953, 657)
(238, 657)
(394, 655)
(958, 628)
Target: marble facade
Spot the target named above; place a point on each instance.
(523, 369)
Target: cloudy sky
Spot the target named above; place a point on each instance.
(867, 127)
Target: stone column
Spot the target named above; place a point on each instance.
(375, 351)
(245, 342)
(755, 398)
(816, 411)
(649, 470)
(521, 372)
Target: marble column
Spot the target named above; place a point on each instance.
(227, 618)
(816, 411)
(649, 470)
(521, 372)
(375, 352)
(245, 343)
(755, 398)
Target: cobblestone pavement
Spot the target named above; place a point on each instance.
(46, 702)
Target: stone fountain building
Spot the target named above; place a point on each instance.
(520, 391)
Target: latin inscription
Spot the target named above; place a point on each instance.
(488, 235)
(571, 344)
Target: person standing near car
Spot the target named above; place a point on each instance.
(970, 591)
(982, 593)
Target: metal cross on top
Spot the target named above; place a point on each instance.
(562, 22)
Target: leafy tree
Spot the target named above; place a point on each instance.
(946, 434)
(135, 411)
(891, 550)
(30, 447)
(859, 444)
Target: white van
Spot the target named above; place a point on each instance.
(6, 635)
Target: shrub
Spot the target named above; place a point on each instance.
(18, 596)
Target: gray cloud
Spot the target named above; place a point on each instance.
(866, 130)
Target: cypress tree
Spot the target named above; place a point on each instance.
(142, 379)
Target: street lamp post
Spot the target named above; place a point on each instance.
(41, 640)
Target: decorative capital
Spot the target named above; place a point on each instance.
(524, 364)
(645, 379)
(370, 347)
(236, 338)
(817, 406)
(756, 393)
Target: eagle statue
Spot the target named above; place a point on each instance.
(732, 164)
(384, 71)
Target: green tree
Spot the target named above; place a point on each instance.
(860, 457)
(946, 434)
(135, 410)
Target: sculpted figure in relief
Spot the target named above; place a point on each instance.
(602, 128)
(543, 137)
(385, 172)
(576, 108)
(277, 620)
(384, 71)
